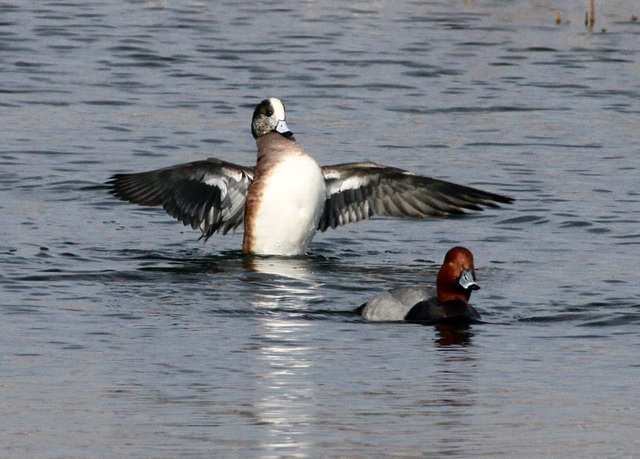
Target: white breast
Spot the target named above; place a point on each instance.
(290, 207)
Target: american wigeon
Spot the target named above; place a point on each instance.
(287, 196)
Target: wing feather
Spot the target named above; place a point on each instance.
(357, 191)
(209, 195)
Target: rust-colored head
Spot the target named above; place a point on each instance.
(457, 277)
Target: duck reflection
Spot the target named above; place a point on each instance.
(453, 334)
(452, 387)
(290, 267)
(283, 357)
(285, 384)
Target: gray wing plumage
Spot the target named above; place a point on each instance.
(208, 194)
(357, 191)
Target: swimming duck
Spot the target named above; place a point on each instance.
(455, 282)
(287, 197)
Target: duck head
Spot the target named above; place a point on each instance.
(269, 116)
(457, 278)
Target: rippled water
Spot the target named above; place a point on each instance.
(123, 336)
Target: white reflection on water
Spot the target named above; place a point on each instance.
(287, 391)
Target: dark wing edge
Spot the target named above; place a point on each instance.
(357, 191)
(208, 195)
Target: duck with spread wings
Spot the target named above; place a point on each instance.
(287, 197)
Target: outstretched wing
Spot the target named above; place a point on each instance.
(208, 194)
(357, 191)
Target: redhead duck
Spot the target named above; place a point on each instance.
(456, 279)
(287, 197)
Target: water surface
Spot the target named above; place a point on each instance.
(122, 335)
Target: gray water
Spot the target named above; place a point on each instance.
(124, 336)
